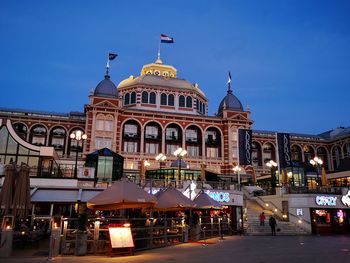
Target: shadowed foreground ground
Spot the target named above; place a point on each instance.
(238, 249)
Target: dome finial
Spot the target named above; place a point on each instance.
(111, 56)
(229, 83)
(159, 61)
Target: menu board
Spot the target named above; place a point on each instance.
(120, 237)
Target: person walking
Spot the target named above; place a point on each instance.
(262, 219)
(273, 224)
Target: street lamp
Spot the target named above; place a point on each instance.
(272, 165)
(145, 165)
(78, 136)
(316, 162)
(179, 153)
(237, 169)
(161, 158)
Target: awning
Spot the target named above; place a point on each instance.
(53, 195)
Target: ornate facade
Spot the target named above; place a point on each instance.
(158, 112)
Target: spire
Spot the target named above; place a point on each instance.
(159, 61)
(111, 56)
(229, 91)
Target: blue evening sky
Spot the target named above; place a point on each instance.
(289, 60)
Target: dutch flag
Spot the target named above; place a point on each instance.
(166, 39)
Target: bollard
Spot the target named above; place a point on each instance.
(54, 243)
(6, 243)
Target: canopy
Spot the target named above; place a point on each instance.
(204, 201)
(121, 195)
(7, 189)
(21, 199)
(171, 199)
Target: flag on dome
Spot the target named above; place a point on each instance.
(229, 78)
(166, 39)
(112, 56)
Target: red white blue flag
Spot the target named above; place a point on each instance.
(166, 39)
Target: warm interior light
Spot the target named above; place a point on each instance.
(126, 225)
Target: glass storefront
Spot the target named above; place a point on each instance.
(330, 221)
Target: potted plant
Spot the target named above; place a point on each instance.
(81, 241)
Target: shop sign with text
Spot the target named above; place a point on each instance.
(326, 200)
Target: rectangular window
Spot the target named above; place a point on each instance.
(105, 168)
(99, 125)
(171, 148)
(193, 151)
(130, 147)
(38, 140)
(109, 125)
(212, 152)
(152, 148)
(103, 143)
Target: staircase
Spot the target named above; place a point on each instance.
(252, 223)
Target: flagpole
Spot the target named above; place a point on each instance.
(158, 49)
(107, 66)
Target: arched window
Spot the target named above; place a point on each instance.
(21, 130)
(133, 98)
(144, 97)
(181, 101)
(152, 98)
(127, 99)
(57, 139)
(336, 156)
(189, 102)
(131, 137)
(163, 99)
(38, 135)
(171, 100)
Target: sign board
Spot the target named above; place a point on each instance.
(120, 236)
(86, 173)
(346, 199)
(225, 197)
(326, 200)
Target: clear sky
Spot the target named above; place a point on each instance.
(289, 60)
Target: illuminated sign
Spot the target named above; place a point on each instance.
(346, 199)
(219, 196)
(299, 211)
(326, 200)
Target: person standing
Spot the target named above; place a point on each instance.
(273, 224)
(262, 219)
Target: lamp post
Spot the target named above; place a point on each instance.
(145, 165)
(237, 169)
(272, 165)
(161, 158)
(316, 162)
(78, 136)
(179, 153)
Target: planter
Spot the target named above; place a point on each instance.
(81, 243)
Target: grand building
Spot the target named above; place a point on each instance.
(124, 127)
(158, 112)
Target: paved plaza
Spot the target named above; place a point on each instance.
(238, 249)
